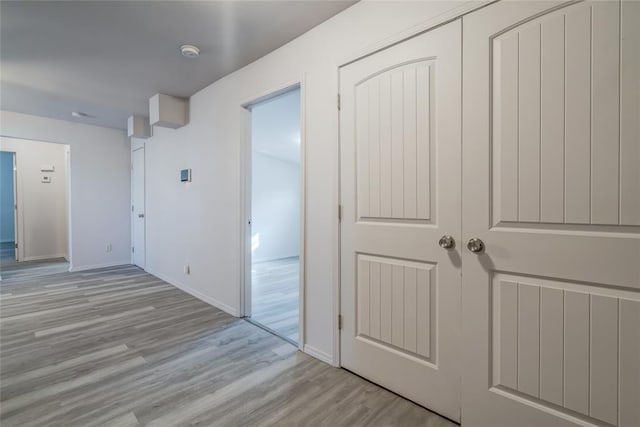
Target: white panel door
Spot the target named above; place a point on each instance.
(15, 207)
(551, 185)
(400, 136)
(137, 178)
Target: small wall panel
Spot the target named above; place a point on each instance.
(395, 300)
(562, 126)
(394, 111)
(570, 346)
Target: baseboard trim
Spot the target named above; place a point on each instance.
(94, 266)
(318, 354)
(202, 297)
(41, 257)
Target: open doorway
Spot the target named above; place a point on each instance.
(34, 208)
(275, 214)
(8, 206)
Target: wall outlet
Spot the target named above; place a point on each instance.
(187, 269)
(107, 247)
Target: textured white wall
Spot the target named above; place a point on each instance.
(100, 177)
(275, 208)
(42, 207)
(203, 223)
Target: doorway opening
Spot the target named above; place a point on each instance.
(273, 288)
(8, 206)
(34, 208)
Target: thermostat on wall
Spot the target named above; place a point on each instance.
(47, 168)
(185, 175)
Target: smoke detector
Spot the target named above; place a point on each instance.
(189, 51)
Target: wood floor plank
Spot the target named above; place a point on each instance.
(119, 347)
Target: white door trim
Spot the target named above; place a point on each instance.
(19, 232)
(245, 201)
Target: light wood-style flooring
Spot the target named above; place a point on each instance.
(119, 347)
(275, 295)
(10, 268)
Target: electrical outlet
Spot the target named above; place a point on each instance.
(107, 248)
(187, 269)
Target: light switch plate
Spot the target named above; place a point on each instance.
(46, 179)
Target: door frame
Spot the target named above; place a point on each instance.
(16, 219)
(134, 149)
(246, 193)
(19, 209)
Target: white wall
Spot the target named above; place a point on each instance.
(203, 224)
(100, 176)
(6, 198)
(275, 208)
(42, 207)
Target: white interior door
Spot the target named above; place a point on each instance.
(551, 185)
(400, 136)
(138, 208)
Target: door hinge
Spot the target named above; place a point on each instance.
(16, 246)
(340, 321)
(131, 208)
(339, 212)
(133, 249)
(338, 102)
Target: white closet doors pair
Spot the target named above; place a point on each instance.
(490, 250)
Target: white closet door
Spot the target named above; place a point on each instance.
(400, 139)
(551, 185)
(138, 211)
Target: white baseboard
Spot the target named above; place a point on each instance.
(318, 354)
(74, 268)
(202, 297)
(41, 257)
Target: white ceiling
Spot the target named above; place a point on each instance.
(107, 58)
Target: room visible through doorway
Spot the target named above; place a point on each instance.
(276, 214)
(34, 208)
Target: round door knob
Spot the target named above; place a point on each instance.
(475, 245)
(447, 242)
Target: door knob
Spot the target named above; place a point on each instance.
(475, 245)
(140, 215)
(447, 242)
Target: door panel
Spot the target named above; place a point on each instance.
(15, 208)
(400, 291)
(548, 305)
(138, 208)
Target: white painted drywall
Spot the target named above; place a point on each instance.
(42, 207)
(275, 208)
(100, 176)
(7, 214)
(202, 224)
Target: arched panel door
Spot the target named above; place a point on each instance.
(551, 187)
(400, 141)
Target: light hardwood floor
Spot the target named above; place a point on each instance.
(274, 296)
(119, 347)
(10, 268)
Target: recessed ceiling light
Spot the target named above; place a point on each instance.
(81, 115)
(189, 51)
